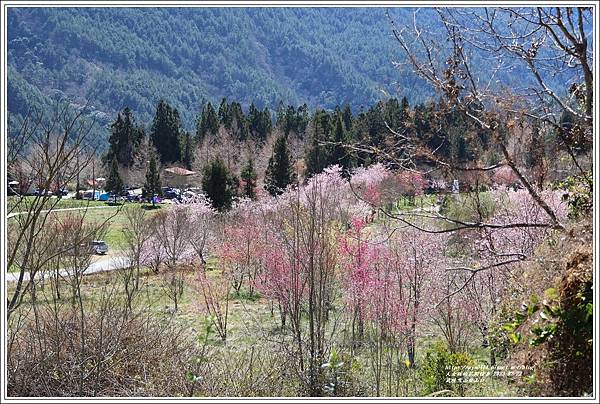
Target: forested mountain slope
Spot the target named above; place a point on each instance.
(115, 57)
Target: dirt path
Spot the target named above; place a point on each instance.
(62, 210)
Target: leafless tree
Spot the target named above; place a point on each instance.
(173, 283)
(171, 231)
(46, 152)
(547, 41)
(137, 233)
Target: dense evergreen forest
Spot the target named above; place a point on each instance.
(109, 58)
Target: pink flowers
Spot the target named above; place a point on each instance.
(505, 176)
(411, 183)
(372, 279)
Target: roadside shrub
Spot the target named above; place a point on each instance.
(551, 330)
(579, 194)
(248, 372)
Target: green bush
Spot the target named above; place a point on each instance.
(472, 207)
(436, 370)
(579, 194)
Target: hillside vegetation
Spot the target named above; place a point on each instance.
(109, 58)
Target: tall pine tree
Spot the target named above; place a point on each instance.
(187, 150)
(153, 185)
(224, 116)
(124, 140)
(339, 154)
(208, 123)
(239, 123)
(279, 172)
(317, 154)
(259, 122)
(218, 184)
(248, 176)
(347, 117)
(114, 183)
(165, 133)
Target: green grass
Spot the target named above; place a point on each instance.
(113, 215)
(251, 322)
(405, 204)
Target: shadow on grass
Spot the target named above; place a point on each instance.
(150, 207)
(247, 295)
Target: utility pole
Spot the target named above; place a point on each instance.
(77, 186)
(93, 181)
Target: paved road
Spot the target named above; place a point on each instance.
(107, 264)
(62, 210)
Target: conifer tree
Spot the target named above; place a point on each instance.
(303, 120)
(347, 117)
(187, 150)
(339, 154)
(224, 116)
(114, 183)
(239, 123)
(124, 140)
(208, 124)
(317, 155)
(165, 133)
(153, 184)
(248, 176)
(218, 184)
(280, 115)
(279, 172)
(259, 122)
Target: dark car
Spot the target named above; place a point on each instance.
(170, 193)
(99, 246)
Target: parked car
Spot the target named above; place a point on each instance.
(40, 192)
(131, 197)
(98, 246)
(171, 193)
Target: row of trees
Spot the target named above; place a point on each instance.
(388, 131)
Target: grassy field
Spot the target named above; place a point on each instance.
(253, 326)
(110, 213)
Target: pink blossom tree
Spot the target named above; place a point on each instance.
(242, 250)
(480, 276)
(411, 184)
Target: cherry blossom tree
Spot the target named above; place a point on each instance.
(242, 250)
(419, 255)
(410, 183)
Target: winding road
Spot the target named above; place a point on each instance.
(105, 264)
(61, 210)
(102, 265)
